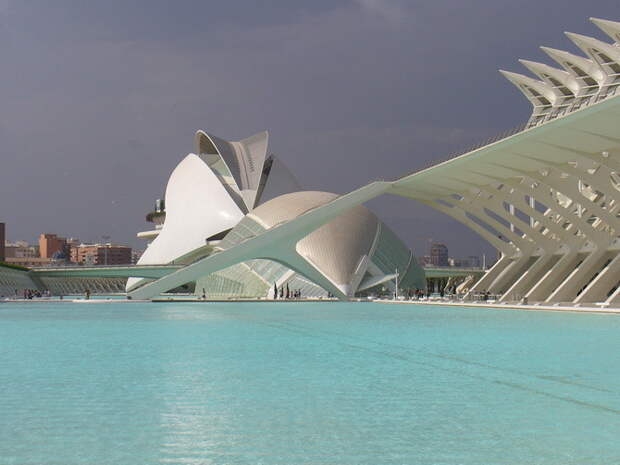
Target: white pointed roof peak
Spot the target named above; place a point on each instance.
(611, 28)
(536, 67)
(593, 48)
(603, 21)
(521, 81)
(581, 39)
(574, 35)
(531, 65)
(559, 55)
(562, 57)
(544, 71)
(522, 78)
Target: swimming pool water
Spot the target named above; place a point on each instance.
(306, 383)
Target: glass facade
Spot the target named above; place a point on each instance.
(235, 281)
(392, 254)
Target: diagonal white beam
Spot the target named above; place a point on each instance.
(277, 244)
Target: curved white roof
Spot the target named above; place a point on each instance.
(243, 161)
(288, 206)
(197, 207)
(336, 248)
(209, 192)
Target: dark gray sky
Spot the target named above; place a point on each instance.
(100, 100)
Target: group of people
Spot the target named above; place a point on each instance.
(30, 294)
(417, 294)
(285, 293)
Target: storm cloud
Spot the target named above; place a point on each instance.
(100, 100)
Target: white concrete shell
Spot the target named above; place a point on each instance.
(208, 193)
(198, 206)
(238, 164)
(279, 243)
(339, 256)
(547, 197)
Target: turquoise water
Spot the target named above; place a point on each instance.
(296, 383)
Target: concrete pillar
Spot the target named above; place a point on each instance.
(490, 276)
(530, 276)
(554, 276)
(602, 284)
(579, 277)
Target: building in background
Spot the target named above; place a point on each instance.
(20, 249)
(101, 254)
(52, 246)
(439, 254)
(135, 256)
(22, 253)
(473, 261)
(30, 262)
(72, 242)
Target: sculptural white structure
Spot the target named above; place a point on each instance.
(349, 254)
(223, 194)
(547, 195)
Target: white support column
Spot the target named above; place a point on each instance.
(491, 275)
(567, 291)
(507, 249)
(614, 298)
(475, 205)
(541, 290)
(515, 192)
(606, 280)
(505, 280)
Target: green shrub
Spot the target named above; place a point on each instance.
(14, 267)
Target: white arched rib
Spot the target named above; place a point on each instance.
(524, 83)
(590, 46)
(543, 71)
(587, 66)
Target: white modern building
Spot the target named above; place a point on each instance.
(228, 192)
(208, 193)
(547, 195)
(352, 253)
